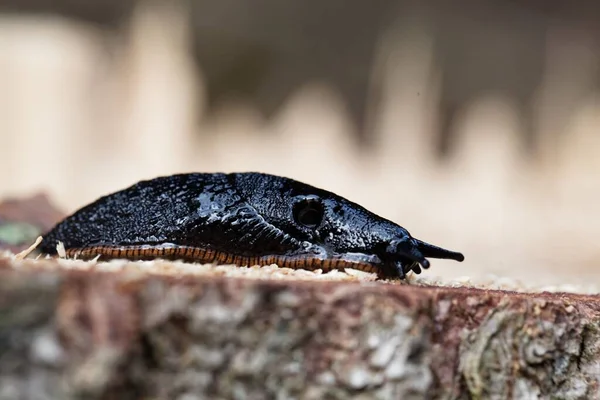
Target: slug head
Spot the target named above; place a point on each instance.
(321, 224)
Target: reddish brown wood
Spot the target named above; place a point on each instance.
(118, 335)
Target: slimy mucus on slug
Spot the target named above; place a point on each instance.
(242, 219)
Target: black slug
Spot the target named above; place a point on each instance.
(242, 219)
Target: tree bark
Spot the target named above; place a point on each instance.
(67, 333)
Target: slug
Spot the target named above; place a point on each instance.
(243, 219)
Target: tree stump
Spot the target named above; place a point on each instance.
(164, 330)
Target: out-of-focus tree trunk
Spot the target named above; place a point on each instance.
(91, 334)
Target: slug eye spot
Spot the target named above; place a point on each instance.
(308, 211)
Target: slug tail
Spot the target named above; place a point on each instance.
(432, 251)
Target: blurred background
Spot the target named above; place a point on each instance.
(474, 124)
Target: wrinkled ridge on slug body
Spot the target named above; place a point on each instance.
(242, 219)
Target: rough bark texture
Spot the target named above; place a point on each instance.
(91, 334)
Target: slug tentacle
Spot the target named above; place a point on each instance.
(430, 250)
(407, 247)
(245, 219)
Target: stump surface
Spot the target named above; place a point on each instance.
(73, 329)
